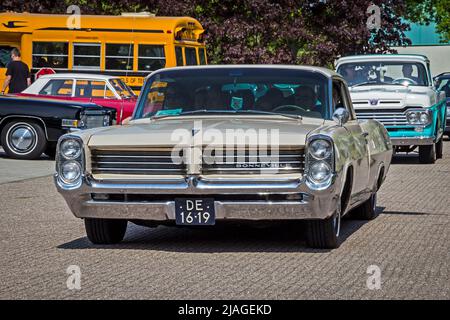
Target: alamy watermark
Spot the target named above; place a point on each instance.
(74, 20)
(374, 20)
(373, 281)
(73, 282)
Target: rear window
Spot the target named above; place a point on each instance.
(58, 87)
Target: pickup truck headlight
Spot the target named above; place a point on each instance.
(319, 166)
(69, 161)
(419, 117)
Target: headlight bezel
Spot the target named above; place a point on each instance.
(418, 113)
(61, 160)
(311, 160)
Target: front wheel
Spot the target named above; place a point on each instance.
(324, 234)
(23, 140)
(105, 231)
(367, 210)
(427, 154)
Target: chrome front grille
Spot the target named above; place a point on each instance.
(390, 117)
(135, 162)
(242, 162)
(94, 120)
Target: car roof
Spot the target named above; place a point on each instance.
(444, 75)
(78, 76)
(324, 71)
(387, 57)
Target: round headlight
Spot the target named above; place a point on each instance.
(70, 171)
(70, 149)
(319, 172)
(424, 118)
(413, 117)
(320, 149)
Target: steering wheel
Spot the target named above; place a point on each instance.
(402, 80)
(289, 106)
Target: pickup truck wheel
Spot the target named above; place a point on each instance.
(23, 140)
(439, 148)
(324, 234)
(427, 154)
(367, 210)
(105, 231)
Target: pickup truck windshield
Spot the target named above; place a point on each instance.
(246, 91)
(384, 73)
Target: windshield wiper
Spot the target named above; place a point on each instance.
(206, 111)
(292, 116)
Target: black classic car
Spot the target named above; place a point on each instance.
(32, 126)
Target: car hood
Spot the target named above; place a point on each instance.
(200, 130)
(391, 96)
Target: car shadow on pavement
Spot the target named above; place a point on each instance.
(404, 158)
(43, 157)
(280, 237)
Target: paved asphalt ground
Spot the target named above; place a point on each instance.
(409, 241)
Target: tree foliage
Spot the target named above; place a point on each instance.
(266, 31)
(426, 11)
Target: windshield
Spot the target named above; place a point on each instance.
(235, 90)
(122, 89)
(386, 73)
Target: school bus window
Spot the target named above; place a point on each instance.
(5, 55)
(179, 55)
(202, 56)
(86, 55)
(119, 56)
(90, 89)
(151, 57)
(191, 56)
(50, 55)
(58, 87)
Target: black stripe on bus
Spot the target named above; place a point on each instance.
(142, 74)
(102, 30)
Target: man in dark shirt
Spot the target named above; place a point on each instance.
(17, 74)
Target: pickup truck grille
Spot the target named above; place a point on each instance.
(391, 117)
(135, 162)
(287, 161)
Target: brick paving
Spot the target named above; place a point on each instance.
(409, 241)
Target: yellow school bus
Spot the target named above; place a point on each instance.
(129, 45)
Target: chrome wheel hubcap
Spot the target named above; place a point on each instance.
(22, 138)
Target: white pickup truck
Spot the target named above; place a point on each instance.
(398, 91)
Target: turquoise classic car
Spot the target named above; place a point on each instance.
(398, 91)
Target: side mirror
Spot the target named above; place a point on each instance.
(341, 116)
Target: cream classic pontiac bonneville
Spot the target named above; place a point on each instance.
(228, 143)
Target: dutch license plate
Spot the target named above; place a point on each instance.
(195, 212)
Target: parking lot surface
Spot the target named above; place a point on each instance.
(409, 243)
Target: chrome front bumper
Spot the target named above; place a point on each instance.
(419, 141)
(311, 205)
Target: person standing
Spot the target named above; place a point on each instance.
(17, 74)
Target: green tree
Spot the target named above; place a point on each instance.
(426, 11)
